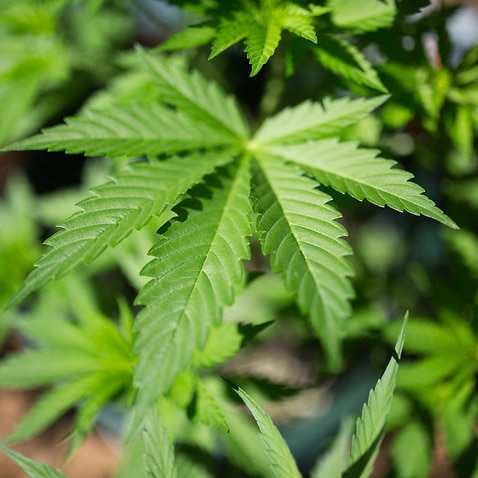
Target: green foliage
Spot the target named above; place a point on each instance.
(32, 467)
(233, 210)
(370, 426)
(159, 454)
(87, 360)
(282, 461)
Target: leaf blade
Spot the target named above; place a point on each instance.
(192, 281)
(343, 58)
(126, 131)
(159, 450)
(282, 461)
(126, 203)
(299, 228)
(33, 468)
(197, 98)
(363, 175)
(311, 120)
(369, 427)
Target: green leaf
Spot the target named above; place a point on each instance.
(230, 31)
(298, 20)
(53, 404)
(80, 353)
(411, 450)
(261, 26)
(223, 342)
(283, 463)
(207, 408)
(359, 173)
(191, 37)
(261, 43)
(300, 230)
(159, 451)
(192, 281)
(197, 98)
(107, 387)
(333, 462)
(370, 426)
(363, 16)
(118, 207)
(32, 468)
(310, 120)
(343, 58)
(127, 131)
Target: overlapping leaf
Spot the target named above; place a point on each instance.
(361, 174)
(128, 202)
(261, 26)
(300, 230)
(195, 272)
(196, 98)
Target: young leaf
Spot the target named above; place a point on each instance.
(300, 230)
(196, 268)
(223, 342)
(32, 468)
(118, 207)
(159, 451)
(261, 27)
(207, 408)
(370, 426)
(283, 463)
(261, 42)
(343, 58)
(309, 120)
(363, 16)
(361, 174)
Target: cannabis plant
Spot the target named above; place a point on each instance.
(205, 183)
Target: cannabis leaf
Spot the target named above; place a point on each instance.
(89, 360)
(333, 462)
(282, 461)
(261, 27)
(118, 207)
(310, 120)
(300, 230)
(193, 280)
(159, 451)
(369, 428)
(363, 16)
(343, 58)
(361, 174)
(33, 468)
(200, 152)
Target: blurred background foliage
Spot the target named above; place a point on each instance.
(58, 56)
